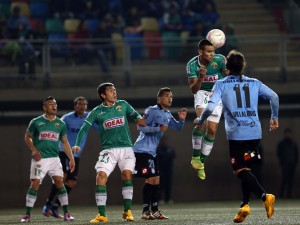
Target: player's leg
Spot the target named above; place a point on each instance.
(241, 166)
(52, 202)
(70, 180)
(104, 167)
(143, 169)
(155, 212)
(126, 164)
(37, 174)
(31, 196)
(56, 173)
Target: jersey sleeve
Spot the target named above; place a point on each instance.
(149, 128)
(267, 93)
(131, 112)
(176, 124)
(191, 70)
(31, 127)
(63, 129)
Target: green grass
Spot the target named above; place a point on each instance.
(286, 212)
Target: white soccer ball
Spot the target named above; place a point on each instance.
(216, 37)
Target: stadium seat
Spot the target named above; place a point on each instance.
(119, 43)
(58, 44)
(39, 10)
(54, 26)
(25, 11)
(71, 25)
(149, 24)
(5, 9)
(152, 41)
(171, 44)
(135, 42)
(92, 24)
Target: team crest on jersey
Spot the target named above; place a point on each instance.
(49, 135)
(119, 108)
(114, 122)
(214, 65)
(57, 125)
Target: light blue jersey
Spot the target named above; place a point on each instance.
(240, 106)
(150, 135)
(74, 123)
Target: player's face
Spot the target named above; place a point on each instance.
(208, 53)
(166, 100)
(110, 96)
(80, 107)
(50, 107)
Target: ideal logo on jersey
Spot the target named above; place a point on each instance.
(48, 135)
(114, 122)
(211, 78)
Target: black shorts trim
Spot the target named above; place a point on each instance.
(65, 165)
(244, 153)
(146, 165)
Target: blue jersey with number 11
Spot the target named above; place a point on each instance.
(240, 105)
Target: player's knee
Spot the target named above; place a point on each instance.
(126, 175)
(35, 184)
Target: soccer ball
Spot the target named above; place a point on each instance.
(216, 37)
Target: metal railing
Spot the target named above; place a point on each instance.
(274, 58)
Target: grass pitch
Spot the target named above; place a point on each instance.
(286, 212)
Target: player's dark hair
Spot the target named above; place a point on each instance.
(162, 91)
(102, 88)
(236, 63)
(47, 99)
(204, 42)
(79, 98)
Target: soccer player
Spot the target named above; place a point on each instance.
(239, 95)
(111, 117)
(202, 71)
(73, 121)
(158, 119)
(42, 138)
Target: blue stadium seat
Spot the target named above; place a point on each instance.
(58, 44)
(135, 41)
(92, 24)
(39, 10)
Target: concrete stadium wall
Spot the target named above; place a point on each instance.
(220, 184)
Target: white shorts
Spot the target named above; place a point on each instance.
(109, 158)
(201, 99)
(50, 166)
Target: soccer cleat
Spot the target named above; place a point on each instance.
(196, 163)
(242, 214)
(158, 215)
(25, 219)
(46, 210)
(128, 215)
(201, 173)
(269, 205)
(147, 215)
(68, 217)
(55, 213)
(99, 219)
